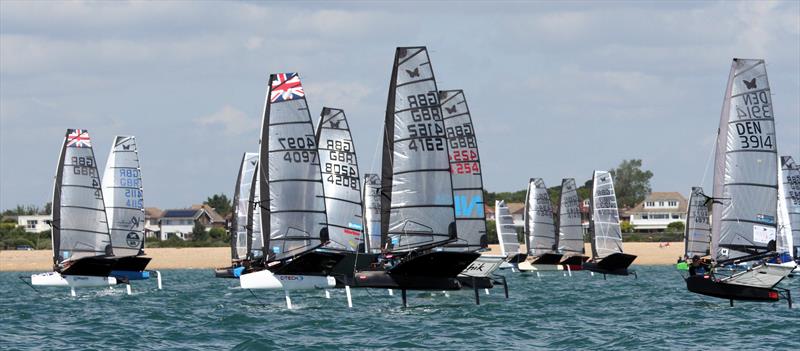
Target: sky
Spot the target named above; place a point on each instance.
(556, 89)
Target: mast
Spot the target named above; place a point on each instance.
(80, 227)
(540, 232)
(291, 196)
(697, 238)
(789, 207)
(606, 233)
(123, 197)
(745, 166)
(570, 229)
(341, 181)
(465, 170)
(506, 232)
(416, 192)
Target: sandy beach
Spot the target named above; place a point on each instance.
(212, 257)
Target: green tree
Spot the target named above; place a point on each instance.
(491, 232)
(220, 203)
(218, 234)
(626, 227)
(199, 233)
(676, 227)
(631, 183)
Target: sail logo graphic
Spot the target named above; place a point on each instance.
(286, 86)
(78, 138)
(466, 208)
(750, 85)
(133, 239)
(413, 73)
(453, 109)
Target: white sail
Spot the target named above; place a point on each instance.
(341, 181)
(417, 191)
(789, 207)
(255, 243)
(540, 231)
(372, 211)
(697, 238)
(570, 229)
(606, 233)
(241, 206)
(80, 227)
(745, 168)
(123, 195)
(465, 168)
(506, 231)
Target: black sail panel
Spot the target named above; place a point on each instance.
(416, 192)
(291, 195)
(465, 168)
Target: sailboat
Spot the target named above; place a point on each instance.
(570, 228)
(371, 200)
(507, 236)
(467, 175)
(124, 202)
(745, 197)
(417, 211)
(607, 254)
(82, 248)
(540, 230)
(241, 227)
(291, 197)
(788, 242)
(697, 236)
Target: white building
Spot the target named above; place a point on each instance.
(34, 223)
(179, 223)
(658, 210)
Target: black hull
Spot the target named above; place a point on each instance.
(316, 263)
(224, 273)
(428, 271)
(706, 286)
(548, 258)
(520, 257)
(97, 266)
(575, 260)
(132, 263)
(355, 262)
(614, 264)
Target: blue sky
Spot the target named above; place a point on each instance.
(556, 89)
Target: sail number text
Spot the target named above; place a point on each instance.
(303, 155)
(751, 136)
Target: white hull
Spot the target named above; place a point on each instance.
(528, 267)
(73, 281)
(267, 280)
(483, 266)
(762, 276)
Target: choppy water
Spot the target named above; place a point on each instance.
(197, 311)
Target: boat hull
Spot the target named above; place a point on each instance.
(229, 272)
(265, 279)
(74, 281)
(435, 270)
(529, 267)
(704, 285)
(614, 264)
(574, 263)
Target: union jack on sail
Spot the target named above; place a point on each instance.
(78, 138)
(286, 86)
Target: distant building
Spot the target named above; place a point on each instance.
(151, 217)
(517, 210)
(34, 223)
(180, 222)
(658, 210)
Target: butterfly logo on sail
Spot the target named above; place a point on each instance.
(286, 86)
(751, 84)
(78, 138)
(126, 146)
(413, 73)
(451, 109)
(335, 124)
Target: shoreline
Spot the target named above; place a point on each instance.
(214, 257)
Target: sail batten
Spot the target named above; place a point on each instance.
(540, 230)
(123, 197)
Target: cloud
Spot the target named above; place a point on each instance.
(234, 121)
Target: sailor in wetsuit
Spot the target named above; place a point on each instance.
(697, 266)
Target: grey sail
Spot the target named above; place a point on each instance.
(123, 195)
(789, 207)
(697, 238)
(291, 196)
(506, 231)
(341, 181)
(372, 211)
(745, 168)
(80, 228)
(242, 206)
(540, 230)
(606, 233)
(416, 192)
(255, 236)
(465, 168)
(570, 229)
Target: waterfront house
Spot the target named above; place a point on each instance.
(34, 223)
(180, 222)
(658, 210)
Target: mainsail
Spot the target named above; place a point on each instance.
(745, 166)
(606, 233)
(255, 237)
(416, 192)
(291, 195)
(241, 221)
(570, 229)
(122, 190)
(465, 168)
(789, 207)
(697, 238)
(372, 211)
(540, 232)
(506, 231)
(79, 215)
(341, 182)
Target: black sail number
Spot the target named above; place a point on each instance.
(426, 144)
(83, 166)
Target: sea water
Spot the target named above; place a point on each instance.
(553, 311)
